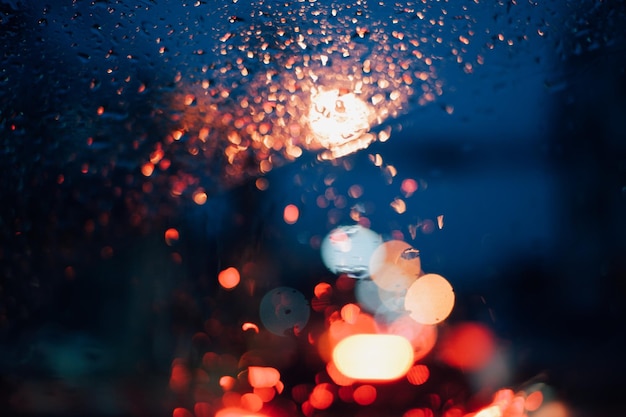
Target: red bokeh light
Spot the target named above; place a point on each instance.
(322, 396)
(365, 395)
(291, 214)
(467, 346)
(229, 278)
(533, 401)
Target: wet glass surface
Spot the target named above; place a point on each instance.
(258, 208)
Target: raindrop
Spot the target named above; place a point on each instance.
(410, 253)
(347, 249)
(284, 309)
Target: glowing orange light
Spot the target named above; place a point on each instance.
(456, 412)
(177, 134)
(199, 197)
(229, 278)
(373, 357)
(262, 184)
(203, 134)
(430, 299)
(422, 337)
(236, 412)
(164, 164)
(395, 265)
(251, 401)
(503, 396)
(157, 155)
(322, 396)
(398, 205)
(180, 377)
(263, 377)
(533, 401)
(339, 121)
(266, 394)
(323, 290)
(340, 329)
(280, 387)
(248, 326)
(350, 313)
(408, 187)
(171, 236)
(337, 377)
(418, 412)
(189, 99)
(291, 214)
(468, 346)
(384, 134)
(516, 408)
(418, 374)
(355, 191)
(181, 412)
(491, 411)
(100, 111)
(440, 221)
(227, 382)
(147, 169)
(231, 399)
(364, 395)
(552, 409)
(307, 409)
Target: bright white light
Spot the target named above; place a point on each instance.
(373, 357)
(430, 299)
(347, 250)
(340, 121)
